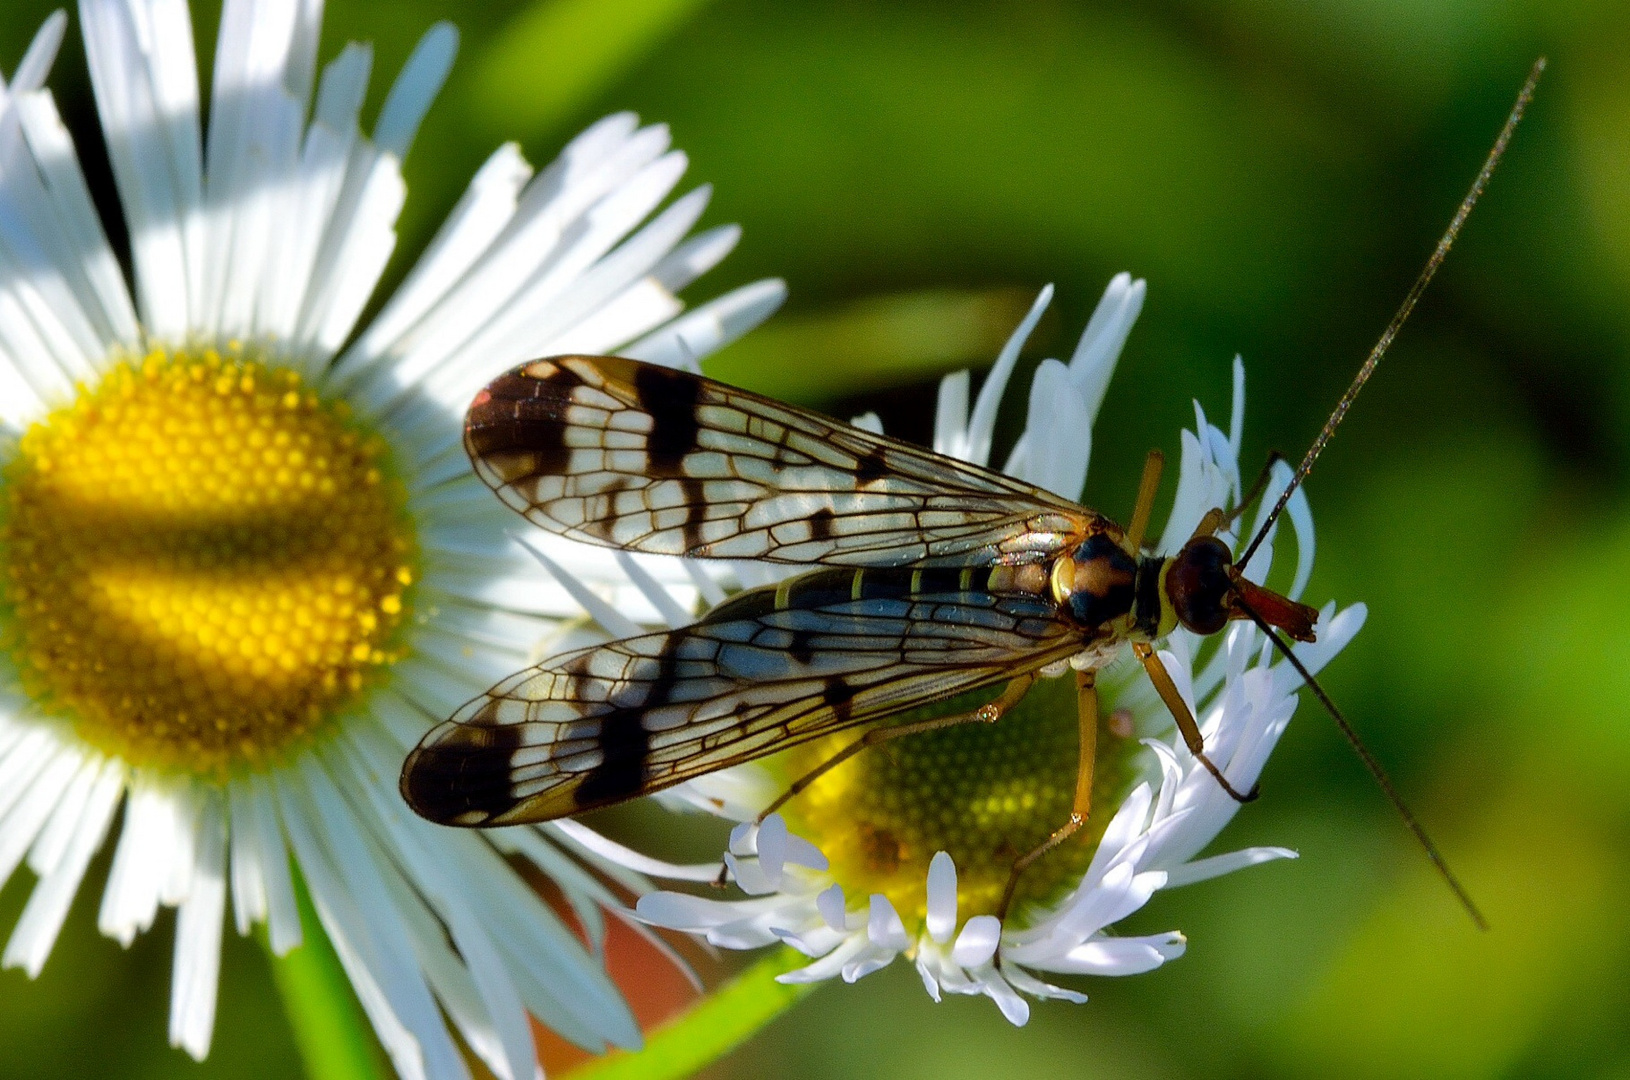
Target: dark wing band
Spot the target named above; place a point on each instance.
(630, 455)
(604, 724)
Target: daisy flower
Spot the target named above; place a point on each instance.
(244, 564)
(906, 850)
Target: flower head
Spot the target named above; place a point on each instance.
(907, 849)
(243, 562)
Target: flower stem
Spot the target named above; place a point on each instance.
(334, 1037)
(719, 1023)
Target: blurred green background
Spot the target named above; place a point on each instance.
(1278, 170)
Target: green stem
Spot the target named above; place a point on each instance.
(335, 1039)
(720, 1022)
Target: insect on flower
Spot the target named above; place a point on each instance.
(935, 577)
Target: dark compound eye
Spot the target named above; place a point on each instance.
(1198, 584)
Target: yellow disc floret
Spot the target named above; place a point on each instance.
(984, 793)
(202, 561)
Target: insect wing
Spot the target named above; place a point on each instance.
(630, 455)
(607, 723)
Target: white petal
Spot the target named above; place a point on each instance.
(829, 965)
(1104, 337)
(22, 824)
(977, 942)
(941, 917)
(1015, 1009)
(615, 622)
(592, 841)
(830, 903)
(1119, 956)
(197, 964)
(982, 425)
(672, 614)
(474, 224)
(1026, 983)
(415, 88)
(41, 921)
(951, 414)
(1218, 865)
(884, 926)
(144, 74)
(354, 904)
(710, 327)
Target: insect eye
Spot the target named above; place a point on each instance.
(1197, 583)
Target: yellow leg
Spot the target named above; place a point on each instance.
(1086, 696)
(1147, 487)
(1185, 719)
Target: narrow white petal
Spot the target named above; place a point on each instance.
(1218, 865)
(829, 965)
(672, 614)
(248, 883)
(830, 903)
(41, 921)
(52, 841)
(951, 414)
(355, 937)
(197, 965)
(982, 424)
(977, 942)
(475, 223)
(82, 236)
(941, 916)
(1236, 414)
(144, 74)
(22, 824)
(589, 840)
(615, 622)
(1015, 1009)
(710, 327)
(1026, 983)
(349, 883)
(1105, 335)
(415, 88)
(140, 864)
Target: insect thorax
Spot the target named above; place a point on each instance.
(1107, 592)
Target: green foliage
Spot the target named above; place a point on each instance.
(1278, 170)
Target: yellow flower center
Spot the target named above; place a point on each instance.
(202, 562)
(985, 793)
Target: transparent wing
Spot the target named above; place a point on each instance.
(759, 674)
(630, 455)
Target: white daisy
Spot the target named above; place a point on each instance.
(859, 868)
(245, 563)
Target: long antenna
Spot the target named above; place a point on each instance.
(1371, 764)
(1524, 96)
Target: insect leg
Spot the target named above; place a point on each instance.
(1185, 720)
(1147, 487)
(988, 713)
(1086, 694)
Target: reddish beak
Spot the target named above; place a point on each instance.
(1281, 612)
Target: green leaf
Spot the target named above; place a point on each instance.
(722, 1021)
(334, 1037)
(872, 344)
(557, 55)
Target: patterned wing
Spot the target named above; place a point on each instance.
(766, 670)
(630, 455)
